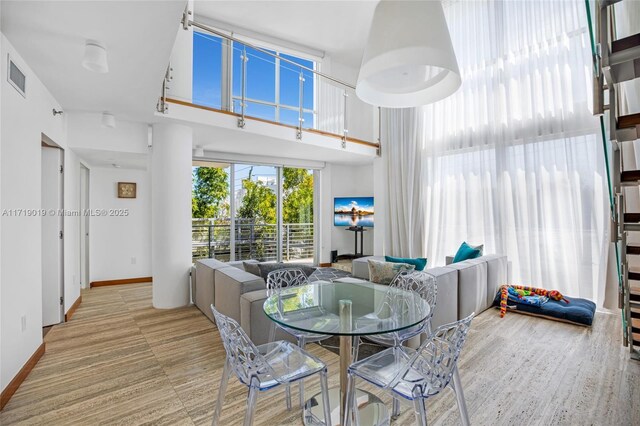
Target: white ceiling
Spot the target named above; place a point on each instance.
(106, 158)
(51, 35)
(338, 28)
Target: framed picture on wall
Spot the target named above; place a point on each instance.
(126, 190)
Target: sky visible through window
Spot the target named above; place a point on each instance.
(207, 70)
(261, 81)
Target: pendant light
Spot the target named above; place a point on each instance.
(408, 59)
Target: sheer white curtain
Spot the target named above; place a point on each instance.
(513, 159)
(404, 172)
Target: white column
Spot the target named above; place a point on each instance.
(324, 216)
(171, 214)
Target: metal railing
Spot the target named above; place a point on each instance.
(252, 240)
(336, 110)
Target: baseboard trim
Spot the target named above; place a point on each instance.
(13, 386)
(72, 309)
(325, 265)
(120, 282)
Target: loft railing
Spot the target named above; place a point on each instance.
(211, 239)
(318, 103)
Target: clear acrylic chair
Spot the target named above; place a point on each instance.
(286, 278)
(419, 282)
(264, 367)
(415, 375)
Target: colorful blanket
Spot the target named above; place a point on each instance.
(526, 295)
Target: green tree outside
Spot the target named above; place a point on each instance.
(297, 203)
(210, 193)
(258, 202)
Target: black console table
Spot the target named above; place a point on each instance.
(356, 230)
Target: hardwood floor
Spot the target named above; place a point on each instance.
(119, 361)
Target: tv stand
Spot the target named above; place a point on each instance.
(356, 230)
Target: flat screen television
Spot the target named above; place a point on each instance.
(353, 211)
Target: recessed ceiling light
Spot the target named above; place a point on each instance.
(108, 120)
(95, 57)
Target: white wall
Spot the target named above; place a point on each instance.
(119, 246)
(361, 117)
(114, 240)
(85, 131)
(349, 181)
(23, 122)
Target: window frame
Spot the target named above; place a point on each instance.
(276, 104)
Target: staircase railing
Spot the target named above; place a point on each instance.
(320, 103)
(616, 61)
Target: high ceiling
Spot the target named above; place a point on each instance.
(338, 28)
(51, 35)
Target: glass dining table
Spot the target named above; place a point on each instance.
(346, 308)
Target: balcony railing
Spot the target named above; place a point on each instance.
(252, 241)
(334, 111)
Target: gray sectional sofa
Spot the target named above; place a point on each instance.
(235, 293)
(463, 288)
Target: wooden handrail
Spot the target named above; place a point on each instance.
(627, 121)
(318, 132)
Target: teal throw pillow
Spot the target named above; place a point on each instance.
(466, 252)
(420, 262)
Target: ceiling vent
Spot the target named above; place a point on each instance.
(17, 78)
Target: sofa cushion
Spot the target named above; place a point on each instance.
(360, 266)
(466, 252)
(497, 274)
(240, 264)
(472, 286)
(385, 272)
(230, 284)
(204, 294)
(252, 268)
(255, 322)
(446, 310)
(419, 262)
(577, 311)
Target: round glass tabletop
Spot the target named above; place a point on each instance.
(346, 308)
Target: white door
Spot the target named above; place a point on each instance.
(84, 226)
(52, 243)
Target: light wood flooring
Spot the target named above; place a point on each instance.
(119, 361)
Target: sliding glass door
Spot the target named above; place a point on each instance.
(256, 199)
(269, 209)
(297, 215)
(210, 211)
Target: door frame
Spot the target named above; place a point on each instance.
(85, 217)
(48, 143)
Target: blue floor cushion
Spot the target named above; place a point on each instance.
(577, 311)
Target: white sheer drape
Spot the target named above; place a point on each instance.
(513, 159)
(403, 172)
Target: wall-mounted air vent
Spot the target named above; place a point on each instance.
(17, 78)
